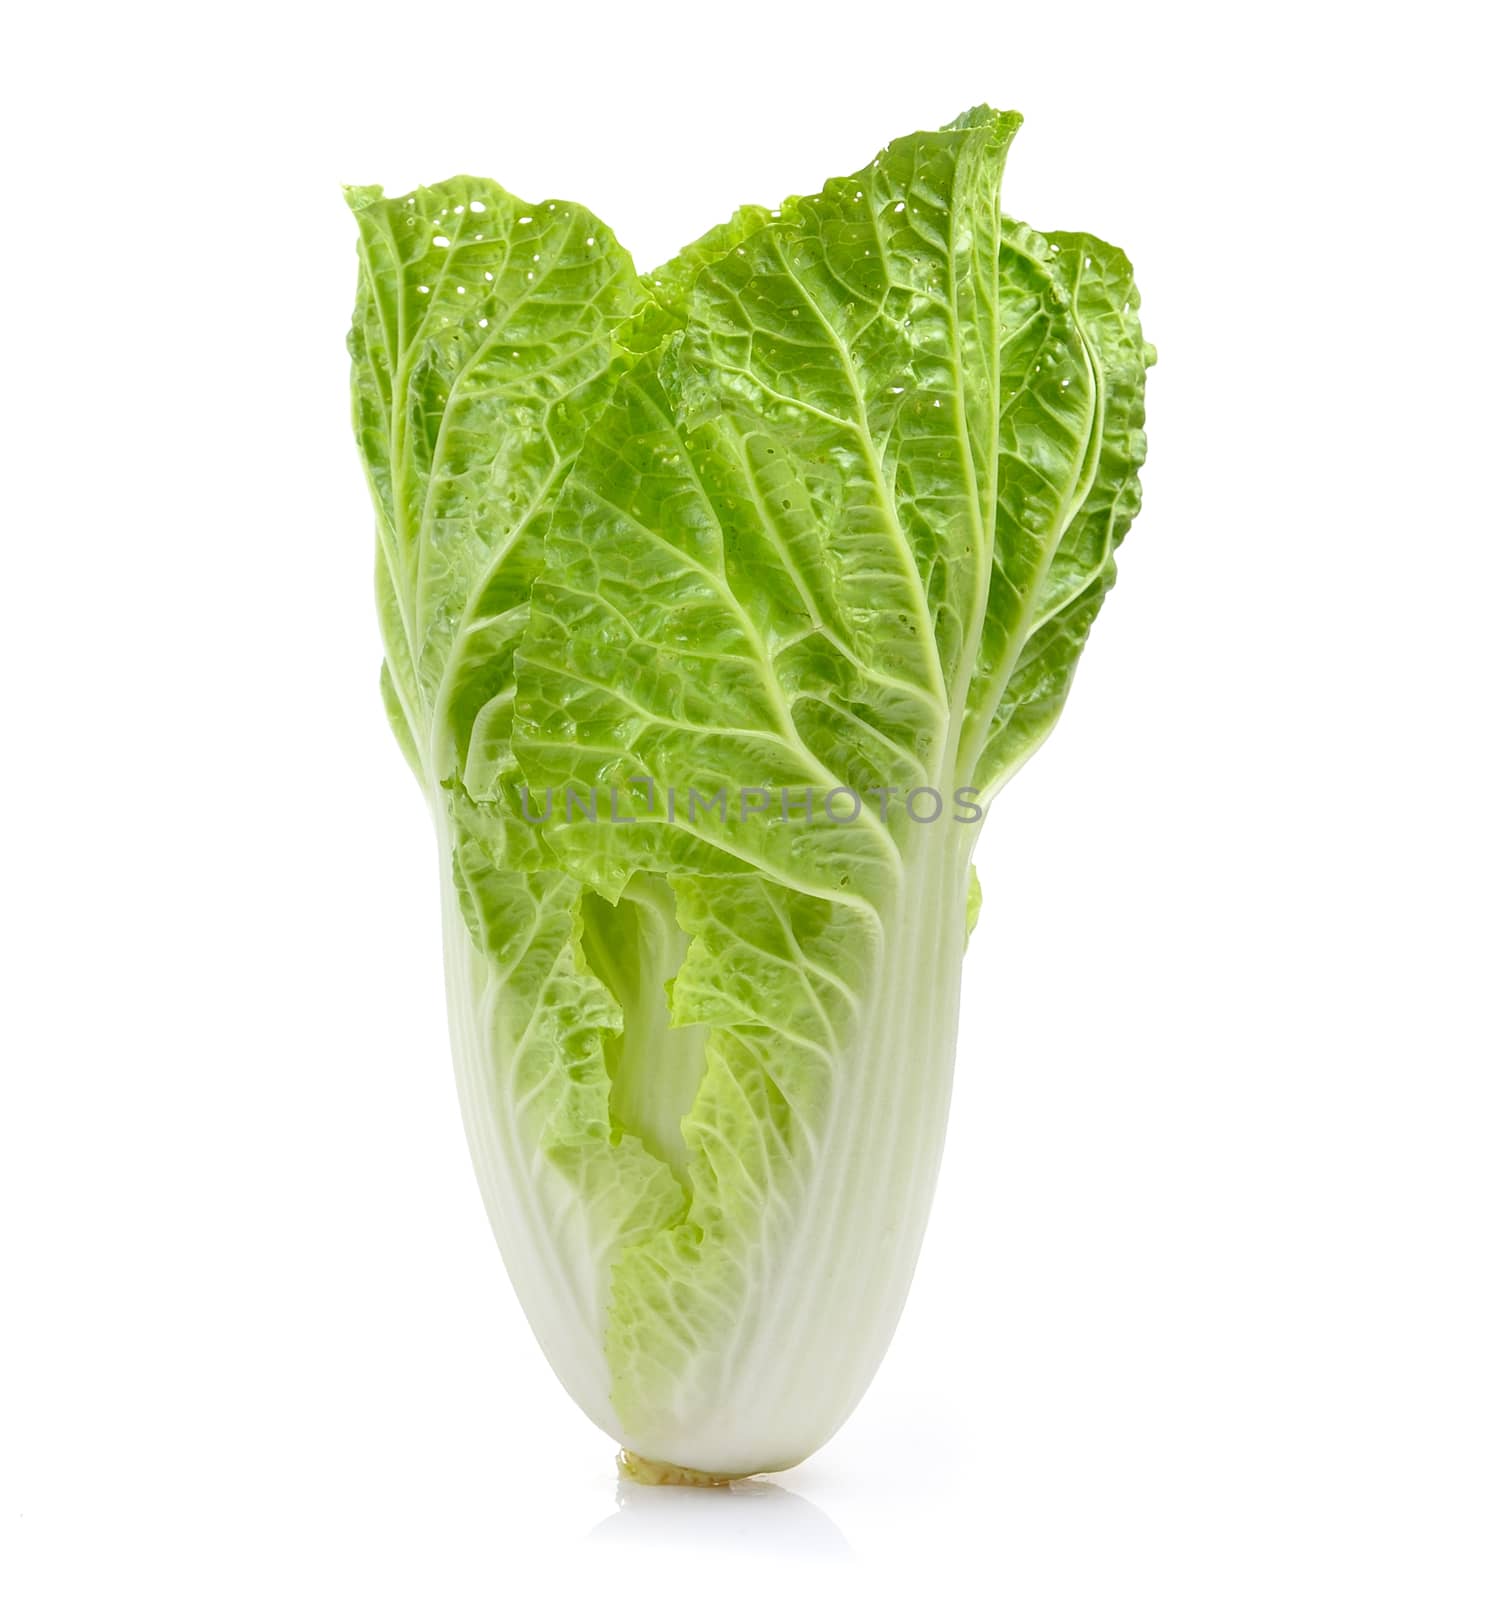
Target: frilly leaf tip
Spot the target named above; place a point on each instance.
(984, 116)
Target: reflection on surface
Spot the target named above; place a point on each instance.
(749, 1517)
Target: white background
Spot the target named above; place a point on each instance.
(1206, 1305)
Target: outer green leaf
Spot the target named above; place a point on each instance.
(1095, 280)
(481, 342)
(483, 338)
(768, 568)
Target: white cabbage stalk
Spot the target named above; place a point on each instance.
(833, 1271)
